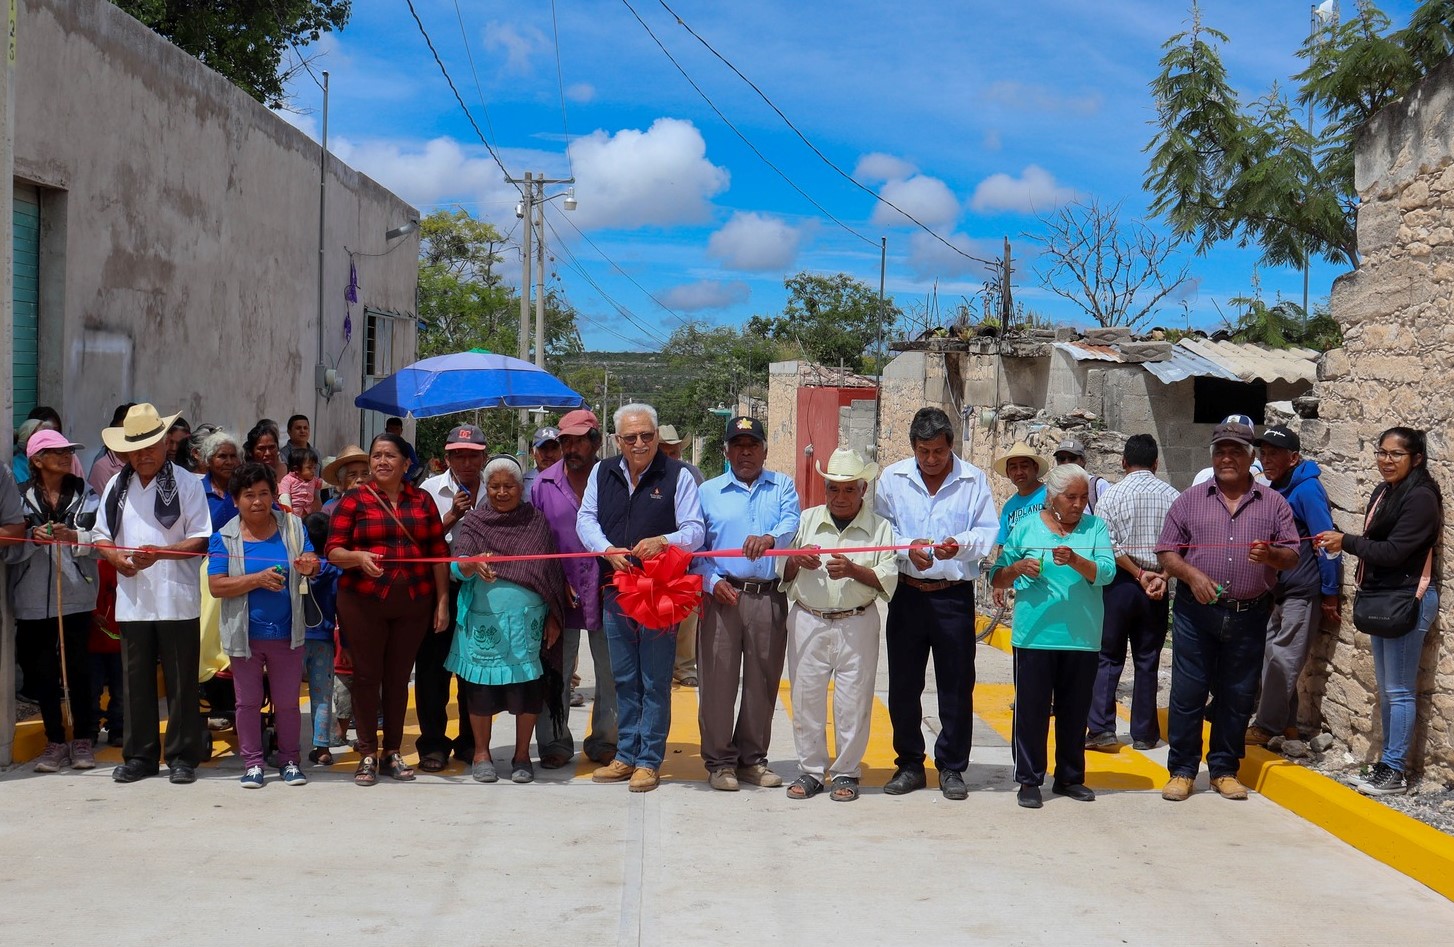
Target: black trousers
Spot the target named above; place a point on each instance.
(941, 624)
(1046, 678)
(39, 655)
(177, 645)
(1132, 618)
(431, 694)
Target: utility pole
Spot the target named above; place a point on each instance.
(1007, 305)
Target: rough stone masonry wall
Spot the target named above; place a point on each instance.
(1394, 368)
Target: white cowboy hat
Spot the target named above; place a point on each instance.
(142, 427)
(845, 466)
(1021, 449)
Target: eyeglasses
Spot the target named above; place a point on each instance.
(1393, 455)
(645, 437)
(66, 451)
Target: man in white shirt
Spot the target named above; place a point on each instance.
(934, 494)
(154, 524)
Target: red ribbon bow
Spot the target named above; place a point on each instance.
(661, 592)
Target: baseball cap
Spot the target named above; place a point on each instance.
(544, 436)
(1280, 436)
(579, 422)
(465, 437)
(49, 440)
(742, 424)
(1241, 433)
(1070, 445)
(1238, 419)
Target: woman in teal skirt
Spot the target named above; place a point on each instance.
(506, 648)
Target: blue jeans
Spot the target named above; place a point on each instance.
(641, 662)
(1218, 653)
(1396, 666)
(318, 664)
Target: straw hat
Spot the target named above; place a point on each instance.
(352, 454)
(845, 466)
(142, 427)
(1021, 449)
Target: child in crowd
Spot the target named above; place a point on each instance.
(300, 485)
(318, 646)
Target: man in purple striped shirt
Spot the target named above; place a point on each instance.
(1224, 541)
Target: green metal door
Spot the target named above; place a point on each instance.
(24, 353)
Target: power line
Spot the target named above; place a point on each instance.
(457, 97)
(615, 266)
(560, 81)
(464, 36)
(728, 122)
(812, 147)
(575, 264)
(307, 67)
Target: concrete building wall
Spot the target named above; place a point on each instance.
(180, 235)
(1397, 314)
(782, 418)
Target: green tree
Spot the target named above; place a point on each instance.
(832, 320)
(1256, 176)
(243, 41)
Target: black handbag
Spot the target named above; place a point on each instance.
(1389, 612)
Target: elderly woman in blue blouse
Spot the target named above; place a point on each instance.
(1056, 560)
(506, 649)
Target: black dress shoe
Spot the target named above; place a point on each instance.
(1029, 797)
(952, 785)
(182, 773)
(133, 770)
(1080, 792)
(905, 781)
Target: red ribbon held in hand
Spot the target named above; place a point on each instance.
(661, 592)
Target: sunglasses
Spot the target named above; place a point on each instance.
(645, 437)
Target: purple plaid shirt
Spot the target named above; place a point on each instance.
(1219, 541)
(552, 495)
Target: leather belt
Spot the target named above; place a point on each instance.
(834, 616)
(930, 585)
(752, 586)
(1244, 604)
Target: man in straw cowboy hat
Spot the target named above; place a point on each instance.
(344, 472)
(833, 625)
(1025, 469)
(153, 524)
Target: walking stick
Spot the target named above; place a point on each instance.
(67, 719)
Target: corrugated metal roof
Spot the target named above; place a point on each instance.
(1255, 363)
(1188, 363)
(1086, 352)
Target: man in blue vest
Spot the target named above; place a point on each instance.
(634, 507)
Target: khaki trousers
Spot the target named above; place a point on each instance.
(745, 644)
(845, 651)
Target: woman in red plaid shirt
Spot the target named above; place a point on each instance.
(386, 606)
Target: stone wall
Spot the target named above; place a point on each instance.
(1395, 310)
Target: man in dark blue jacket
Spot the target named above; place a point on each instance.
(1305, 594)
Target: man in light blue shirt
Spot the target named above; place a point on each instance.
(743, 633)
(942, 507)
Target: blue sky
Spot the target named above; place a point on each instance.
(973, 116)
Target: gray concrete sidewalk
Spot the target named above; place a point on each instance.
(444, 859)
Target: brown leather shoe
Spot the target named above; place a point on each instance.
(1177, 789)
(1256, 736)
(613, 772)
(1229, 787)
(643, 780)
(759, 775)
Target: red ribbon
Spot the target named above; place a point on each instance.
(661, 592)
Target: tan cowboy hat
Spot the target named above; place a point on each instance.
(845, 466)
(352, 454)
(667, 434)
(142, 427)
(1021, 449)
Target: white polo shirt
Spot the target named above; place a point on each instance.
(170, 590)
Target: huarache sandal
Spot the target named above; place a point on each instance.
(394, 767)
(321, 755)
(845, 789)
(433, 762)
(368, 771)
(804, 787)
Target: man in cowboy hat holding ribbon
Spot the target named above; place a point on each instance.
(153, 524)
(833, 625)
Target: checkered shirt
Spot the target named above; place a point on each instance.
(361, 522)
(1134, 511)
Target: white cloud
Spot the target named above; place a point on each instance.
(930, 259)
(1022, 96)
(1034, 191)
(519, 44)
(706, 294)
(878, 166)
(755, 243)
(928, 199)
(658, 177)
(438, 170)
(580, 92)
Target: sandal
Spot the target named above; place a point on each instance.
(845, 789)
(433, 762)
(394, 767)
(805, 787)
(321, 755)
(368, 771)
